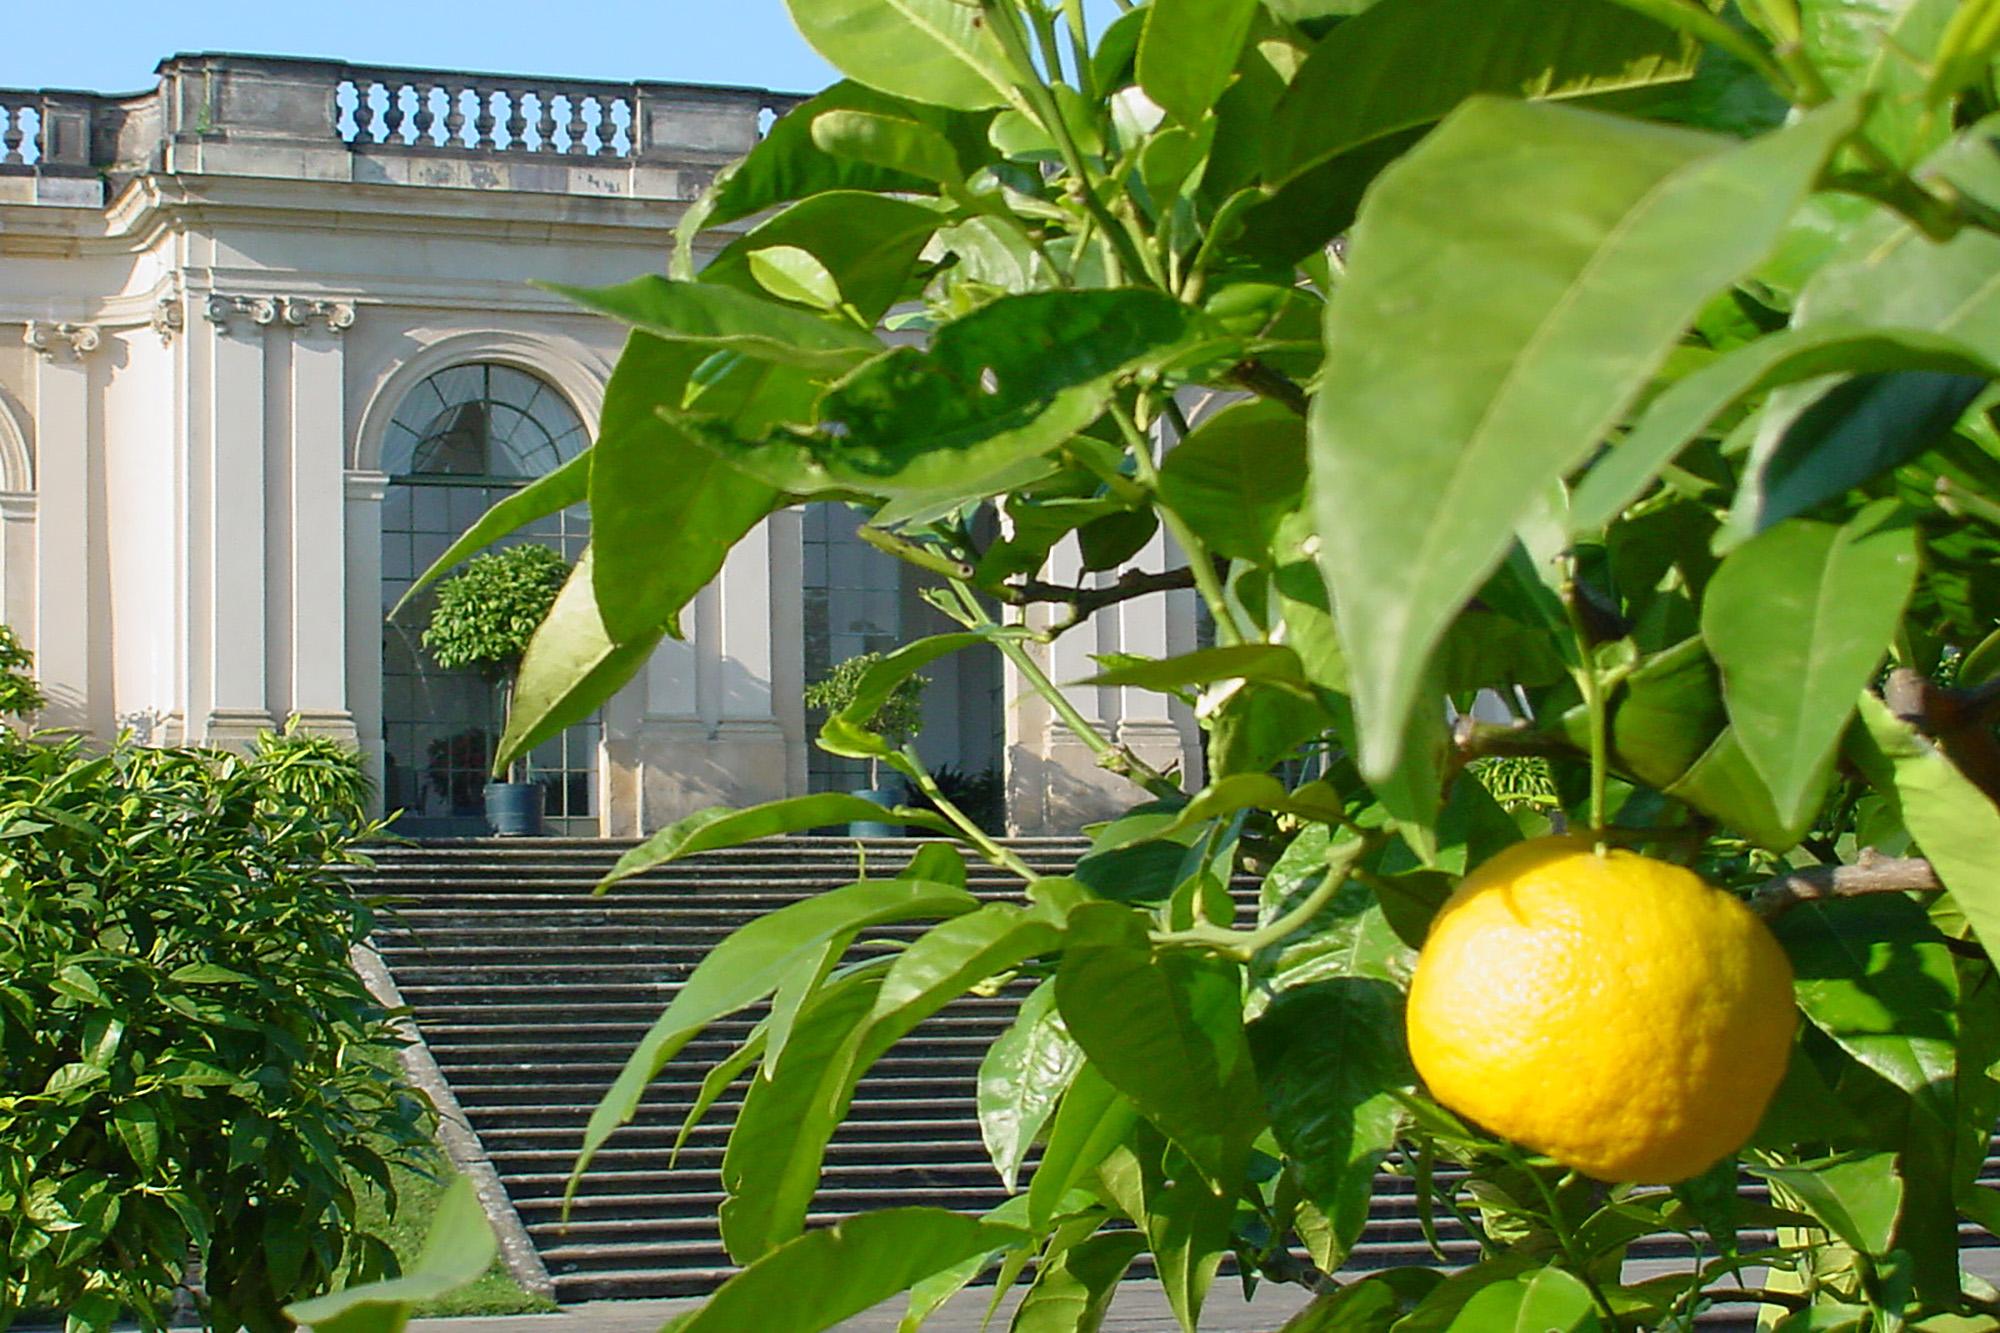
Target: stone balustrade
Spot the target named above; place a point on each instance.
(256, 115)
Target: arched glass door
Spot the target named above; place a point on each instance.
(460, 442)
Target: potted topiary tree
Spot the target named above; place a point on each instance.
(898, 721)
(483, 619)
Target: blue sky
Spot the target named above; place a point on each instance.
(112, 45)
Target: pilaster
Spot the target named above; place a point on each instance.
(318, 494)
(362, 527)
(65, 527)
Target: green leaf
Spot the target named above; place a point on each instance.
(1548, 1300)
(1269, 662)
(749, 965)
(1857, 1196)
(1874, 975)
(1965, 53)
(846, 732)
(816, 1280)
(1188, 1228)
(1384, 72)
(664, 510)
(1093, 1119)
(1008, 382)
(1236, 476)
(1329, 1056)
(1953, 822)
(720, 826)
(1167, 1032)
(1884, 49)
(1799, 620)
(931, 51)
(894, 143)
(571, 667)
(548, 494)
(1188, 52)
(457, 1252)
(1511, 287)
(788, 163)
(136, 1126)
(775, 1152)
(1021, 1078)
(723, 319)
(840, 246)
(1073, 1294)
(717, 1080)
(1694, 404)
(1242, 791)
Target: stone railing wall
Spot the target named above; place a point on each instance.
(328, 109)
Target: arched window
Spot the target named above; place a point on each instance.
(460, 442)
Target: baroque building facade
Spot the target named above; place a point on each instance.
(270, 338)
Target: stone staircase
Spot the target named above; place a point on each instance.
(530, 993)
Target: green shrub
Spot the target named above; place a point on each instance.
(319, 776)
(486, 614)
(19, 694)
(191, 1066)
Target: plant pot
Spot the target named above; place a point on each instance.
(875, 828)
(514, 809)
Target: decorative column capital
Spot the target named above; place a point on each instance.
(263, 311)
(169, 317)
(49, 338)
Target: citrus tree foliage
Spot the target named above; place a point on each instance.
(897, 719)
(1630, 359)
(20, 695)
(189, 1067)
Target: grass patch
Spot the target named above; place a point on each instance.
(416, 1202)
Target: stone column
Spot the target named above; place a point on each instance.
(1146, 723)
(64, 528)
(230, 524)
(363, 592)
(319, 562)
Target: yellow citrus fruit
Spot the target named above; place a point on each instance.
(1609, 1010)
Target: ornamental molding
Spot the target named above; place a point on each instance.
(50, 337)
(296, 312)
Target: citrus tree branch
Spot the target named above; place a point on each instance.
(1872, 873)
(1083, 601)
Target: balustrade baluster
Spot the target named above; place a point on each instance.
(392, 115)
(545, 124)
(364, 114)
(517, 119)
(454, 116)
(607, 128)
(11, 135)
(578, 126)
(484, 121)
(424, 118)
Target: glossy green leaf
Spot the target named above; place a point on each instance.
(1693, 405)
(1384, 71)
(456, 1253)
(1188, 52)
(846, 732)
(716, 1082)
(1874, 975)
(1885, 49)
(548, 494)
(748, 966)
(1242, 791)
(720, 826)
(1857, 1196)
(1269, 662)
(1329, 1056)
(1007, 382)
(899, 144)
(1021, 1078)
(1512, 285)
(136, 1126)
(1723, 784)
(1953, 822)
(860, 249)
(1547, 1300)
(1236, 476)
(1074, 1294)
(1799, 621)
(1167, 1032)
(723, 319)
(772, 1164)
(664, 511)
(816, 1280)
(1094, 1118)
(788, 164)
(1188, 1230)
(571, 667)
(1966, 52)
(931, 51)
(1351, 936)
